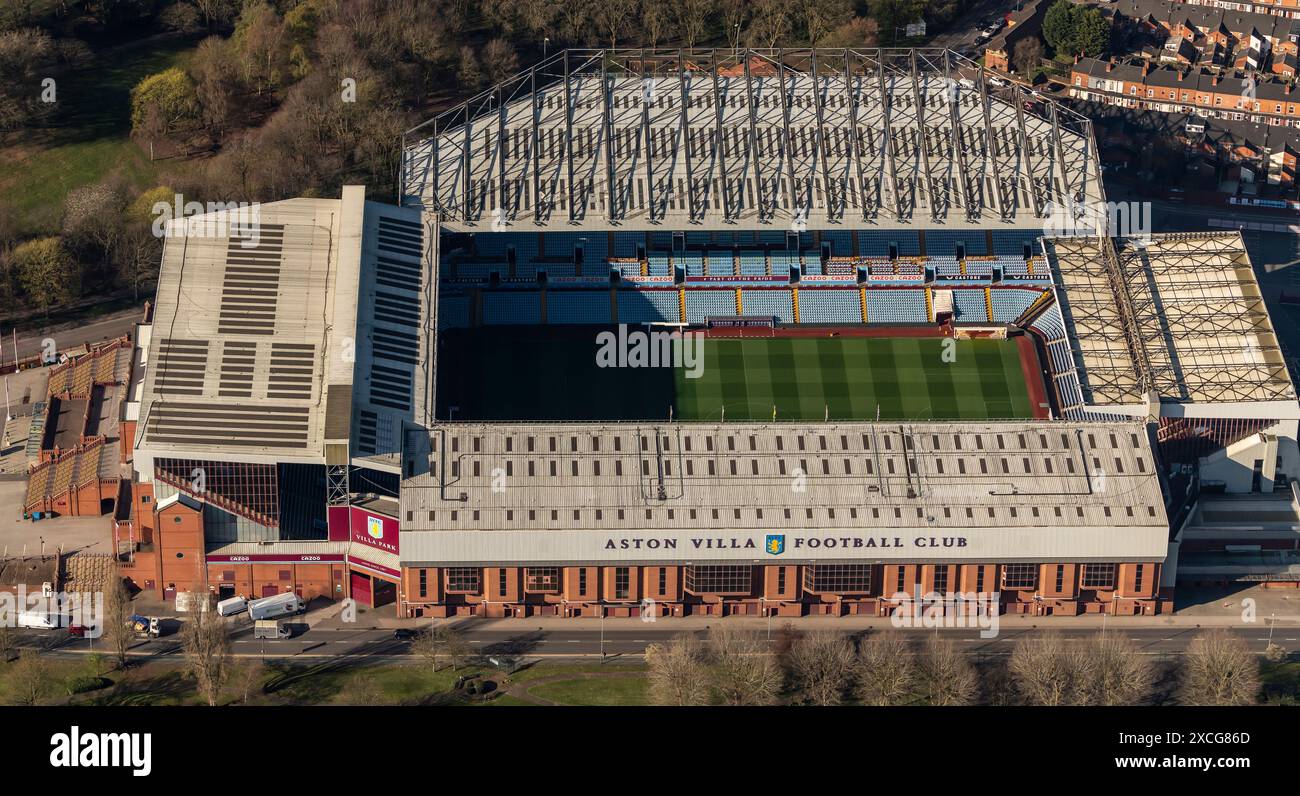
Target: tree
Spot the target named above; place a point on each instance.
(216, 12)
(1046, 669)
(117, 634)
(205, 641)
(655, 17)
(1219, 669)
(892, 15)
(613, 17)
(164, 100)
(1115, 672)
(743, 671)
(677, 673)
(27, 679)
(820, 17)
(886, 669)
(92, 218)
(692, 18)
(1058, 25)
(734, 15)
(499, 60)
(857, 32)
(821, 665)
(946, 677)
(248, 678)
(1027, 55)
(771, 23)
(1091, 32)
(23, 53)
(47, 273)
(469, 73)
(427, 646)
(8, 638)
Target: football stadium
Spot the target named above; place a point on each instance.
(710, 332)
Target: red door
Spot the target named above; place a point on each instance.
(270, 590)
(361, 589)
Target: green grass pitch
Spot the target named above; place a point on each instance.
(534, 374)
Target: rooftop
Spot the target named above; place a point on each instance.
(749, 139)
(1179, 314)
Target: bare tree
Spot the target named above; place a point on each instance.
(820, 17)
(946, 677)
(248, 678)
(821, 666)
(454, 646)
(677, 672)
(1115, 672)
(613, 18)
(1219, 669)
(8, 639)
(428, 646)
(886, 669)
(499, 60)
(744, 671)
(117, 633)
(734, 15)
(28, 679)
(206, 644)
(692, 18)
(655, 18)
(1046, 669)
(770, 24)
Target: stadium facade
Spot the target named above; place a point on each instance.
(291, 436)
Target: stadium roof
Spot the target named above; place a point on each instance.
(750, 139)
(493, 489)
(264, 318)
(1179, 314)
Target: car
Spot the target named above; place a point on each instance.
(77, 630)
(404, 634)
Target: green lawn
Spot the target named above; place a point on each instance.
(603, 691)
(533, 373)
(90, 135)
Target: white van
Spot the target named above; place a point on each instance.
(232, 606)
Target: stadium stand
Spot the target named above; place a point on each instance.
(1009, 303)
(970, 307)
(722, 262)
(896, 306)
(841, 242)
(943, 242)
(700, 304)
(753, 263)
(512, 308)
(769, 302)
(453, 311)
(577, 306)
(830, 305)
(647, 306)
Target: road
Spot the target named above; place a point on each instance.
(379, 645)
(70, 336)
(963, 31)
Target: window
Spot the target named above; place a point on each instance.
(724, 579)
(1138, 576)
(780, 581)
(622, 582)
(542, 579)
(663, 580)
(1020, 576)
(1099, 576)
(941, 579)
(582, 580)
(462, 579)
(424, 583)
(842, 578)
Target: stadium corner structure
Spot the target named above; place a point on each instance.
(1070, 422)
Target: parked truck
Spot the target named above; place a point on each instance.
(270, 628)
(272, 607)
(232, 606)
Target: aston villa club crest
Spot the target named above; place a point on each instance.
(375, 527)
(775, 544)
